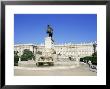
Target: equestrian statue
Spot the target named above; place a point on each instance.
(49, 31)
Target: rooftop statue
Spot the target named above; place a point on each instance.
(49, 31)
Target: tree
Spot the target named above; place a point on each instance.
(92, 58)
(94, 54)
(94, 47)
(27, 55)
(16, 58)
(94, 61)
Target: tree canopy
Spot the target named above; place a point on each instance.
(92, 58)
(16, 58)
(27, 55)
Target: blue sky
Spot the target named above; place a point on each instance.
(75, 28)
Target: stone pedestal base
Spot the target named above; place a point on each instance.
(49, 42)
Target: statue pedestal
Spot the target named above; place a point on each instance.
(49, 43)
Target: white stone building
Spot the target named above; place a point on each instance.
(62, 50)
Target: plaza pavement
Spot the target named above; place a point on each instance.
(81, 70)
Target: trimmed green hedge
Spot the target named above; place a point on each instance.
(92, 58)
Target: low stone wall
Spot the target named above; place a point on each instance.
(29, 63)
(61, 62)
(65, 60)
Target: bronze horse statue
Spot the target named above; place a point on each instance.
(49, 31)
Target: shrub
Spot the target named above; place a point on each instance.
(16, 58)
(27, 55)
(81, 59)
(93, 59)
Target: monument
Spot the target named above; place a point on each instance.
(49, 31)
(48, 55)
(52, 54)
(49, 43)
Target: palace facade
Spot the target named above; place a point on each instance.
(62, 50)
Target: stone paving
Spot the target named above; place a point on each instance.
(71, 70)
